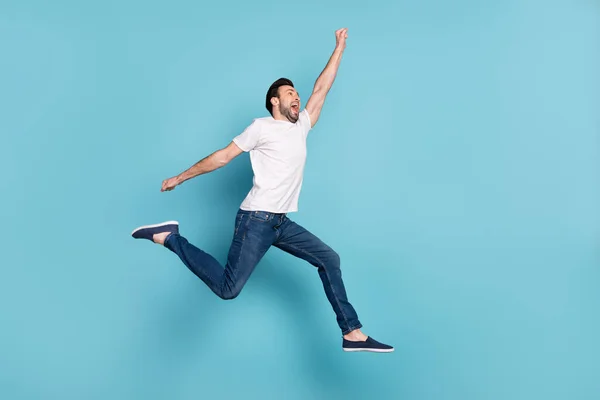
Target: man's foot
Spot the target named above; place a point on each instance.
(370, 344)
(156, 233)
(358, 341)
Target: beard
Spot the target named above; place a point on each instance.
(290, 113)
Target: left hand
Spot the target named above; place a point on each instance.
(340, 38)
(170, 184)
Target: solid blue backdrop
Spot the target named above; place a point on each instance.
(455, 169)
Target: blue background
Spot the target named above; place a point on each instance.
(455, 169)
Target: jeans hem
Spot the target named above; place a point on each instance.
(166, 242)
(348, 330)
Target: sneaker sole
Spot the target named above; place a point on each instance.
(155, 226)
(369, 350)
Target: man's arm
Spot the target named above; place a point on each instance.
(214, 161)
(325, 80)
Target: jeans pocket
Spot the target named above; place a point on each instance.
(260, 216)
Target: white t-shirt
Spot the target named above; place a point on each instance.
(277, 154)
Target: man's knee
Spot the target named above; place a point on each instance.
(230, 294)
(333, 259)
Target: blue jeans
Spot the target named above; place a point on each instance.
(255, 232)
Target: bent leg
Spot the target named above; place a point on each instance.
(250, 243)
(296, 240)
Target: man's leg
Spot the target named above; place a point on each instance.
(294, 239)
(251, 240)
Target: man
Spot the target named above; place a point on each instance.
(277, 147)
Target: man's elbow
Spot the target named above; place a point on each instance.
(320, 90)
(220, 159)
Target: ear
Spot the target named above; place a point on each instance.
(274, 101)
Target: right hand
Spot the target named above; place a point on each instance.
(169, 184)
(340, 38)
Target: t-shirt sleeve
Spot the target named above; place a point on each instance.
(304, 121)
(248, 139)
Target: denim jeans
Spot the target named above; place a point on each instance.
(254, 233)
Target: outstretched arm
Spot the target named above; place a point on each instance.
(325, 80)
(210, 163)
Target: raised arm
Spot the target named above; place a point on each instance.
(210, 163)
(325, 80)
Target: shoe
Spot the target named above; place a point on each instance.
(370, 344)
(147, 231)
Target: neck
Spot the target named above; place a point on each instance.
(280, 117)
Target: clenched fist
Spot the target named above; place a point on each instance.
(169, 184)
(340, 38)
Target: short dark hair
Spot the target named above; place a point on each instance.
(272, 92)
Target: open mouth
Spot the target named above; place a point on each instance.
(295, 107)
